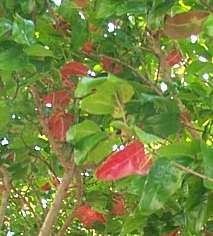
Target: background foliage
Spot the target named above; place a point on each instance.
(137, 73)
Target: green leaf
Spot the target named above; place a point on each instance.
(163, 124)
(82, 130)
(197, 216)
(98, 104)
(162, 182)
(180, 149)
(102, 150)
(87, 144)
(145, 137)
(122, 88)
(5, 27)
(86, 85)
(208, 25)
(37, 50)
(12, 59)
(207, 153)
(23, 30)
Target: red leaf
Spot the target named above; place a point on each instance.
(173, 233)
(110, 66)
(59, 123)
(74, 69)
(11, 156)
(173, 58)
(131, 160)
(87, 48)
(60, 98)
(88, 216)
(118, 205)
(46, 187)
(81, 3)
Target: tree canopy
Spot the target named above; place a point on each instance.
(106, 117)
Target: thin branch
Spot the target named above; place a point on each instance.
(5, 194)
(121, 107)
(136, 72)
(190, 171)
(56, 205)
(79, 195)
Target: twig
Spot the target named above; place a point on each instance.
(120, 105)
(136, 72)
(5, 194)
(79, 195)
(56, 205)
(190, 171)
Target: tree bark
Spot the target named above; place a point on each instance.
(56, 205)
(5, 194)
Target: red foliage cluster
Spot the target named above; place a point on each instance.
(131, 160)
(59, 123)
(11, 156)
(118, 208)
(87, 48)
(88, 216)
(73, 68)
(174, 57)
(59, 98)
(46, 187)
(110, 66)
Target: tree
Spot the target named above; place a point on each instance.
(106, 117)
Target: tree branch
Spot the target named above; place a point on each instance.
(5, 194)
(190, 171)
(79, 195)
(56, 205)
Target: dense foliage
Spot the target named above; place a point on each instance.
(106, 117)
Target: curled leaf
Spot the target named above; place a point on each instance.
(183, 25)
(131, 160)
